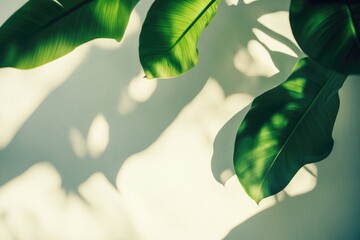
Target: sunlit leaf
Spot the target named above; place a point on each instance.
(286, 128)
(42, 31)
(170, 34)
(329, 32)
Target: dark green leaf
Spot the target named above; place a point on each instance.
(329, 32)
(44, 30)
(286, 128)
(170, 34)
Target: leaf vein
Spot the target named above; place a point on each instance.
(192, 24)
(307, 111)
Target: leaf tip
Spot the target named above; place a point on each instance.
(257, 199)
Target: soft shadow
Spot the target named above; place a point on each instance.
(333, 203)
(221, 163)
(233, 80)
(92, 90)
(95, 87)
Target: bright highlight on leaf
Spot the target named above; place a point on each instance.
(286, 128)
(329, 32)
(170, 34)
(42, 31)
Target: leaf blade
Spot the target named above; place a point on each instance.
(42, 31)
(286, 128)
(329, 32)
(170, 33)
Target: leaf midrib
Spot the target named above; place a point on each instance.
(192, 24)
(308, 109)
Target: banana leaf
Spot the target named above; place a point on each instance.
(170, 34)
(44, 30)
(287, 127)
(329, 32)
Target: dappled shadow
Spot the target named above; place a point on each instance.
(77, 102)
(333, 203)
(101, 82)
(95, 87)
(234, 81)
(233, 27)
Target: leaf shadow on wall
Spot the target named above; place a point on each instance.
(333, 203)
(255, 84)
(95, 86)
(90, 97)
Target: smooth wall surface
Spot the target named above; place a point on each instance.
(91, 150)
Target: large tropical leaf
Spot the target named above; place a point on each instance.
(286, 128)
(43, 30)
(329, 32)
(170, 34)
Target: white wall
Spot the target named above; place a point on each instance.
(90, 150)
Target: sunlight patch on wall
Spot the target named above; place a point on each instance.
(97, 138)
(304, 181)
(255, 61)
(162, 183)
(272, 44)
(168, 191)
(22, 91)
(170, 188)
(110, 208)
(248, 207)
(278, 22)
(249, 1)
(133, 27)
(33, 205)
(139, 90)
(78, 142)
(232, 2)
(226, 175)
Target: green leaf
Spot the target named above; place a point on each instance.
(44, 30)
(329, 32)
(170, 34)
(286, 128)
